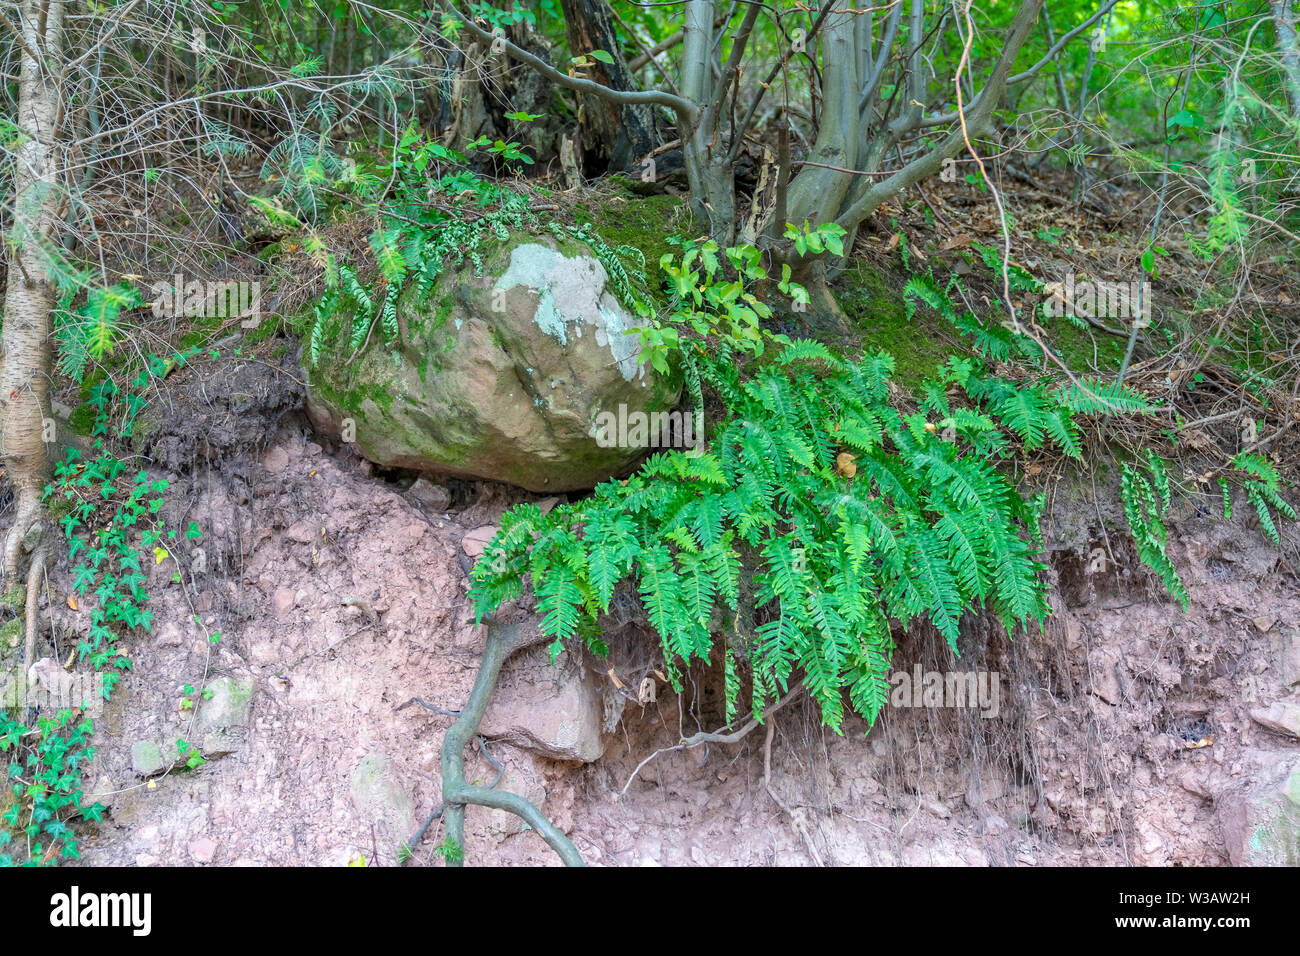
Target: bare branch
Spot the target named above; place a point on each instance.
(684, 108)
(976, 119)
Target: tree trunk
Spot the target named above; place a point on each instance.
(1284, 24)
(817, 192)
(711, 179)
(614, 136)
(25, 345)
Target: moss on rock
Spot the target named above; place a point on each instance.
(500, 375)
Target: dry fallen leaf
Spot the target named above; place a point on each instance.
(72, 601)
(648, 691)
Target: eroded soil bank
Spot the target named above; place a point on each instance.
(1126, 731)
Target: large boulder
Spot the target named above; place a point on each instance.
(501, 376)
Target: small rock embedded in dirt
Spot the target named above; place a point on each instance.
(1105, 678)
(223, 717)
(523, 776)
(203, 850)
(276, 461)
(1193, 781)
(937, 808)
(104, 791)
(553, 710)
(1291, 659)
(304, 532)
(381, 799)
(1261, 821)
(282, 602)
(1282, 717)
(431, 497)
(147, 758)
(476, 541)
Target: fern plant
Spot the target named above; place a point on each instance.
(1262, 485)
(1144, 492)
(418, 238)
(849, 513)
(996, 342)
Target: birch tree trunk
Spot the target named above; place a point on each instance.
(25, 345)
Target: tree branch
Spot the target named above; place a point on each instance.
(772, 74)
(975, 120)
(1028, 74)
(687, 112)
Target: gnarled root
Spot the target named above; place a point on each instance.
(26, 526)
(502, 641)
(35, 577)
(26, 536)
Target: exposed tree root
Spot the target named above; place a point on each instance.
(26, 536)
(27, 511)
(715, 737)
(797, 821)
(35, 577)
(502, 641)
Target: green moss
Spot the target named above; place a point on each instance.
(349, 399)
(875, 309)
(11, 634)
(57, 507)
(1085, 351)
(300, 322)
(82, 419)
(202, 332)
(442, 313)
(643, 222)
(268, 327)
